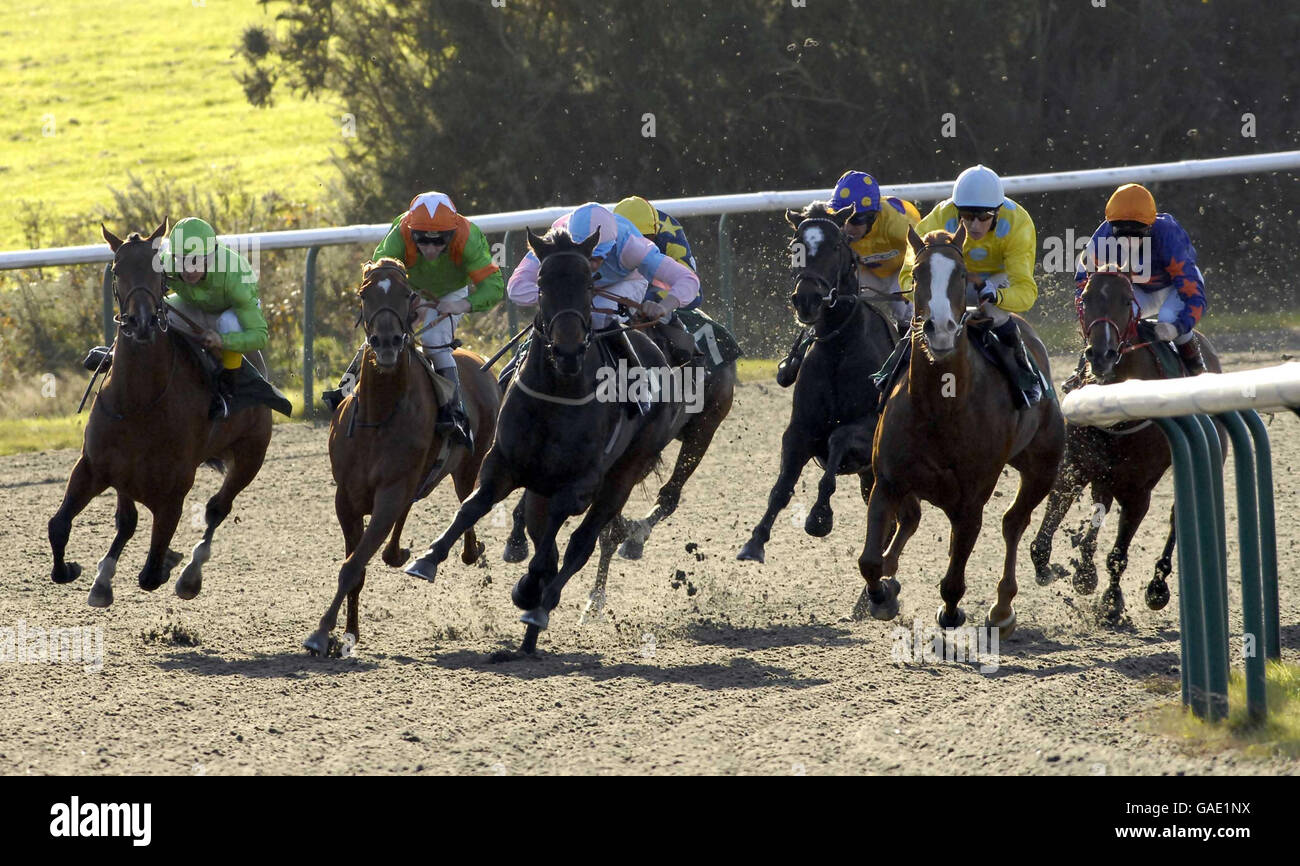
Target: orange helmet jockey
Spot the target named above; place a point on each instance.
(434, 213)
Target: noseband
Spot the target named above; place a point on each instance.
(846, 272)
(157, 320)
(403, 322)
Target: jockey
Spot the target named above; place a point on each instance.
(624, 263)
(669, 237)
(1000, 250)
(1169, 285)
(877, 234)
(449, 265)
(215, 287)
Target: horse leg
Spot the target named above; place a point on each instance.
(695, 444)
(126, 518)
(1131, 512)
(353, 526)
(394, 554)
(495, 484)
(1085, 573)
(909, 517)
(159, 563)
(463, 479)
(610, 537)
(1158, 588)
(880, 596)
(83, 486)
(516, 549)
(1065, 492)
(242, 468)
(820, 518)
(1034, 487)
(528, 590)
(965, 532)
(795, 454)
(389, 503)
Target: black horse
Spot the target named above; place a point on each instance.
(834, 412)
(572, 451)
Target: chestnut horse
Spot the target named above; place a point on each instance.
(948, 428)
(384, 452)
(148, 432)
(1122, 463)
(571, 450)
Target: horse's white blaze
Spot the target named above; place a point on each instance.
(385, 284)
(941, 312)
(813, 238)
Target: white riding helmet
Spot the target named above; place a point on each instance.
(977, 187)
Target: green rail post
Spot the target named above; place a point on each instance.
(309, 334)
(1252, 584)
(726, 290)
(110, 329)
(1267, 531)
(1220, 521)
(1195, 662)
(1211, 576)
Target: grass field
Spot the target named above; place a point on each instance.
(91, 91)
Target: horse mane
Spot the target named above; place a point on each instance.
(938, 237)
(560, 239)
(817, 209)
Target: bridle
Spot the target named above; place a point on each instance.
(368, 321)
(831, 298)
(1125, 337)
(157, 320)
(544, 330)
(917, 330)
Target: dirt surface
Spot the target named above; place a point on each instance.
(703, 665)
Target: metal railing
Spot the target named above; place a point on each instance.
(1185, 409)
(714, 205)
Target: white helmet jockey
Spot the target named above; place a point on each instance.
(978, 187)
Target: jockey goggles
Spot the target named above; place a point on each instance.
(437, 239)
(976, 216)
(1129, 229)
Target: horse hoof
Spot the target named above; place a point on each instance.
(1005, 628)
(957, 621)
(101, 595)
(887, 608)
(1112, 603)
(424, 568)
(1085, 582)
(595, 609)
(819, 522)
(71, 571)
(751, 552)
(317, 643)
(172, 558)
(469, 557)
(397, 558)
(1157, 594)
(537, 616)
(515, 551)
(149, 582)
(188, 590)
(631, 549)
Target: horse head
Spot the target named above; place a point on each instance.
(821, 259)
(138, 283)
(1108, 318)
(386, 309)
(564, 294)
(939, 288)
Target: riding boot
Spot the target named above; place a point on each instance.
(225, 396)
(347, 384)
(452, 420)
(1190, 352)
(98, 359)
(1016, 363)
(788, 370)
(622, 347)
(681, 345)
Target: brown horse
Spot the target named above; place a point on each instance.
(1122, 463)
(384, 452)
(948, 429)
(148, 432)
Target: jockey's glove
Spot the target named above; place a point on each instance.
(1166, 332)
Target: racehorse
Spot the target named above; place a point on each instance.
(384, 452)
(695, 436)
(833, 415)
(148, 432)
(1122, 463)
(572, 452)
(948, 428)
